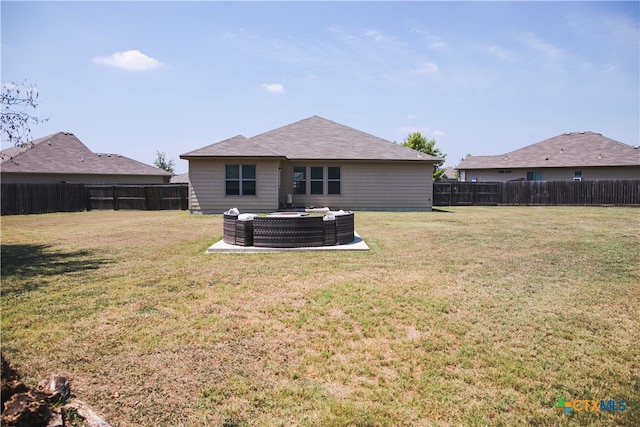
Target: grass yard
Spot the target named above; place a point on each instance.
(469, 316)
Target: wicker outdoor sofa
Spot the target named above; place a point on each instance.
(288, 231)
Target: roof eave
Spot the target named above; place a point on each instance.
(306, 158)
(226, 156)
(543, 166)
(358, 159)
(86, 173)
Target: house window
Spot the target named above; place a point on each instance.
(333, 182)
(322, 180)
(534, 176)
(317, 180)
(240, 180)
(577, 175)
(299, 180)
(504, 171)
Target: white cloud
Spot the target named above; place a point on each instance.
(427, 68)
(376, 36)
(412, 129)
(424, 130)
(132, 60)
(497, 52)
(539, 45)
(273, 87)
(434, 42)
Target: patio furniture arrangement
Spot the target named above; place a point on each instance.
(283, 232)
(237, 230)
(288, 229)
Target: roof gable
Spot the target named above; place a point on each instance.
(314, 138)
(573, 149)
(238, 146)
(64, 153)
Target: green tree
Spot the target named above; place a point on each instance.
(420, 143)
(162, 163)
(17, 99)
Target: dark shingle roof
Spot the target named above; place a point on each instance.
(183, 178)
(574, 149)
(238, 146)
(314, 138)
(64, 153)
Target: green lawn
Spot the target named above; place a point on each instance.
(469, 316)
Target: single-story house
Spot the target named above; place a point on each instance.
(314, 162)
(62, 157)
(573, 156)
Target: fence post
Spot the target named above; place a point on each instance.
(115, 199)
(473, 195)
(88, 196)
(147, 197)
(184, 197)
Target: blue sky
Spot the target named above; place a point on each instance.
(135, 78)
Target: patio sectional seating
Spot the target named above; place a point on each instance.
(237, 231)
(229, 228)
(329, 232)
(344, 228)
(283, 232)
(287, 230)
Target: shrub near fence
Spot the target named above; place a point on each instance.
(538, 193)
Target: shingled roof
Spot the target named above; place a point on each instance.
(238, 146)
(573, 149)
(314, 138)
(64, 153)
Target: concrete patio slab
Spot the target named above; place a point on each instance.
(358, 244)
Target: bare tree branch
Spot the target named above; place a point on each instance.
(15, 119)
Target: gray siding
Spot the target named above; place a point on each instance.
(370, 186)
(207, 189)
(364, 186)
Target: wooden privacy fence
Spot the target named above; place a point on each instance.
(534, 193)
(537, 193)
(466, 193)
(138, 197)
(17, 199)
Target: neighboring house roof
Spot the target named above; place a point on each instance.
(573, 149)
(64, 153)
(182, 178)
(314, 138)
(450, 173)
